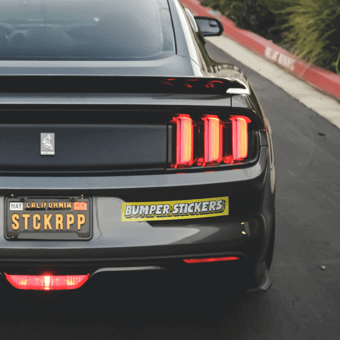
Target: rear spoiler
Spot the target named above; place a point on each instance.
(114, 84)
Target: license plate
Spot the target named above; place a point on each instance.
(48, 218)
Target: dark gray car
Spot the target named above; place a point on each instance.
(124, 146)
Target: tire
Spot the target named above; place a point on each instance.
(270, 251)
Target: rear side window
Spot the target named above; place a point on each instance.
(85, 30)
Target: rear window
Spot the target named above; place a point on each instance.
(85, 30)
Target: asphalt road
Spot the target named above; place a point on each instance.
(303, 300)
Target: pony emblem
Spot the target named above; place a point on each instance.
(47, 142)
(47, 145)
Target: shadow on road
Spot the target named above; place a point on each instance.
(129, 306)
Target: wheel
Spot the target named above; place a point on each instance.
(270, 251)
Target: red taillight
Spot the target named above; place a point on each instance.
(212, 259)
(240, 137)
(210, 140)
(47, 282)
(213, 140)
(184, 141)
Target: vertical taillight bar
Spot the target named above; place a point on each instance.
(240, 137)
(184, 141)
(213, 140)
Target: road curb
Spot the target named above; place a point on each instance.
(326, 81)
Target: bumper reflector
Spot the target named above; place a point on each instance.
(47, 282)
(212, 259)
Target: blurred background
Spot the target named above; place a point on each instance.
(308, 28)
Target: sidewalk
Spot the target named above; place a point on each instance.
(323, 104)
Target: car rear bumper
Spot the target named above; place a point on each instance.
(155, 245)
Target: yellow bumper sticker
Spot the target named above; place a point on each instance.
(175, 210)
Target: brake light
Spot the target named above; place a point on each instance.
(209, 140)
(47, 282)
(184, 141)
(213, 140)
(212, 259)
(240, 137)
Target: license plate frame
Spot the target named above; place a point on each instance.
(45, 233)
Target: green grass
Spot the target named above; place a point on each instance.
(314, 30)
